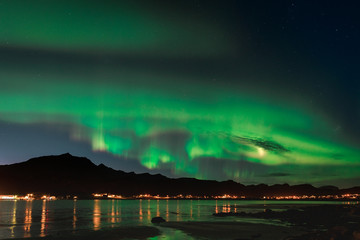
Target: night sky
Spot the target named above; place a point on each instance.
(254, 91)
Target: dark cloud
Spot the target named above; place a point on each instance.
(277, 175)
(340, 181)
(265, 144)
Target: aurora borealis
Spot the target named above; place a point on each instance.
(253, 91)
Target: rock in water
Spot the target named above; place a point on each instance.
(157, 220)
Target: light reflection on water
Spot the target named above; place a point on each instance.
(13, 220)
(97, 215)
(74, 215)
(112, 211)
(140, 211)
(148, 211)
(41, 218)
(28, 219)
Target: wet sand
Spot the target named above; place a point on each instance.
(197, 230)
(314, 222)
(234, 230)
(321, 222)
(137, 232)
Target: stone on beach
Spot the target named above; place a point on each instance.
(157, 220)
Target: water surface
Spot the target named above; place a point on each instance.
(42, 218)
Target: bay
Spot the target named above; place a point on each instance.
(38, 218)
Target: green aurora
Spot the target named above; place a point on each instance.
(122, 78)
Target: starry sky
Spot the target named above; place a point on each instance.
(253, 91)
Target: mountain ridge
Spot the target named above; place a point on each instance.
(71, 175)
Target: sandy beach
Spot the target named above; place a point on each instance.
(197, 230)
(235, 230)
(136, 232)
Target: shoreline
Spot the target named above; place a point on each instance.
(185, 199)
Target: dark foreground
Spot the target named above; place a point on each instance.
(139, 232)
(295, 222)
(335, 222)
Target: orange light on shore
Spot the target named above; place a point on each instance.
(8, 197)
(98, 194)
(28, 197)
(31, 196)
(107, 195)
(226, 196)
(320, 197)
(113, 196)
(48, 198)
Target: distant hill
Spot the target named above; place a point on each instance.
(69, 175)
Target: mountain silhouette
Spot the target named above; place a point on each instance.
(70, 175)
